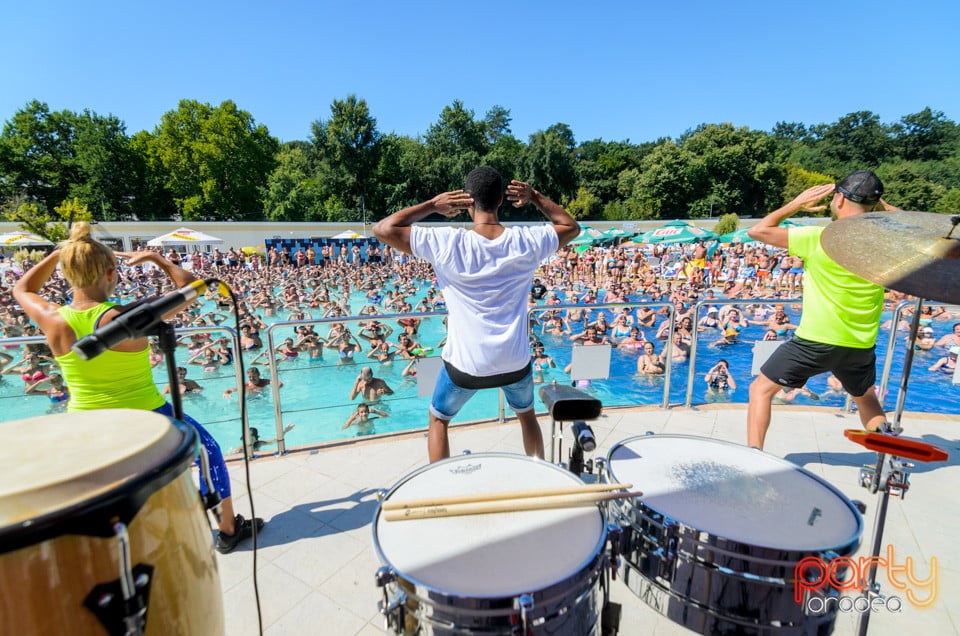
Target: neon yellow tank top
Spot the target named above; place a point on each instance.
(839, 307)
(112, 380)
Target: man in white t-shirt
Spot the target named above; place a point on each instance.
(485, 275)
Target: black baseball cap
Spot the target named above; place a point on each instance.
(863, 186)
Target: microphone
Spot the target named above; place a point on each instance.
(583, 436)
(138, 322)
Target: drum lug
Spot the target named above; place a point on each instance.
(867, 474)
(393, 607)
(601, 465)
(615, 536)
(860, 506)
(525, 605)
(121, 604)
(667, 552)
(384, 576)
(381, 493)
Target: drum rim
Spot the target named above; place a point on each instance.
(86, 517)
(426, 591)
(839, 548)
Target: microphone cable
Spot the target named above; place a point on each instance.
(225, 290)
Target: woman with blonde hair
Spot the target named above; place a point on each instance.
(121, 377)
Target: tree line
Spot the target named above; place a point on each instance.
(216, 163)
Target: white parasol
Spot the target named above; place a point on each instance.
(21, 239)
(184, 236)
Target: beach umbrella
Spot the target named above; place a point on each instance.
(184, 236)
(614, 234)
(348, 234)
(588, 236)
(738, 236)
(676, 232)
(21, 239)
(741, 236)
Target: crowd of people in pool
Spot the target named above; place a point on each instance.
(308, 285)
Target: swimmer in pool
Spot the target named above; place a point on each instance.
(363, 418)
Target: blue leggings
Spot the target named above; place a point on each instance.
(218, 468)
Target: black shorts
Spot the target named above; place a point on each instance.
(797, 360)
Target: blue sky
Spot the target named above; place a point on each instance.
(614, 70)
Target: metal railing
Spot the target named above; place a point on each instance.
(533, 314)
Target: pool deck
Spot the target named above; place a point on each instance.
(316, 560)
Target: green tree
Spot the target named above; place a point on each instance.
(291, 194)
(548, 162)
(667, 183)
(150, 198)
(727, 223)
(400, 174)
(347, 153)
(496, 124)
(736, 170)
(36, 159)
(906, 188)
(857, 141)
(216, 160)
(949, 203)
(105, 166)
(925, 136)
(585, 205)
(454, 146)
(797, 180)
(53, 226)
(599, 163)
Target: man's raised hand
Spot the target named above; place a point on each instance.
(450, 204)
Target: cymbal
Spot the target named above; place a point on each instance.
(916, 253)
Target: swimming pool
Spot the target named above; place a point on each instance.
(315, 393)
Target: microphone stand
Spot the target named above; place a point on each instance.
(167, 341)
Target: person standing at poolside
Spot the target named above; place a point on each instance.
(121, 377)
(485, 274)
(841, 311)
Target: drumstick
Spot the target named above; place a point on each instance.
(510, 505)
(497, 496)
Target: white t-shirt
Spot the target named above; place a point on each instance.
(485, 284)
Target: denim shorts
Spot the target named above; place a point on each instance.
(449, 398)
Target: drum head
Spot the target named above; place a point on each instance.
(491, 555)
(735, 492)
(56, 462)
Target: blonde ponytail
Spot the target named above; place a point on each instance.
(83, 259)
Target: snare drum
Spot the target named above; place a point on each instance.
(713, 542)
(491, 573)
(96, 507)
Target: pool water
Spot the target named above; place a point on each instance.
(314, 395)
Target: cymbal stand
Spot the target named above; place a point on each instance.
(891, 475)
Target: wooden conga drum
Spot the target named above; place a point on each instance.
(101, 528)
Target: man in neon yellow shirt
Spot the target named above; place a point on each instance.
(841, 311)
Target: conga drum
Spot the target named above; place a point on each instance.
(101, 528)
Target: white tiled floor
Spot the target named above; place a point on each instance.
(316, 560)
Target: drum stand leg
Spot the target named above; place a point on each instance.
(890, 473)
(890, 477)
(610, 612)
